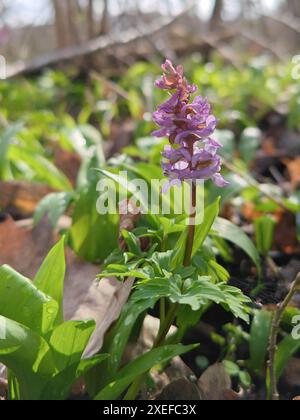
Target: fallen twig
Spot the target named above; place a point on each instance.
(287, 20)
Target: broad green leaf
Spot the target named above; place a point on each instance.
(138, 274)
(201, 231)
(59, 387)
(126, 185)
(22, 302)
(285, 351)
(54, 206)
(227, 230)
(51, 275)
(27, 355)
(68, 342)
(115, 344)
(259, 339)
(264, 234)
(140, 366)
(93, 236)
(178, 257)
(44, 170)
(5, 140)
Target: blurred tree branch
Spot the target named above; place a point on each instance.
(90, 19)
(92, 46)
(66, 15)
(216, 17)
(104, 26)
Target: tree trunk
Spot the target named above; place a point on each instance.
(293, 7)
(104, 27)
(216, 15)
(66, 22)
(90, 19)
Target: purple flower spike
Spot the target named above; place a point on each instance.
(189, 124)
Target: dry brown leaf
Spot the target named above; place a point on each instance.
(25, 248)
(180, 390)
(249, 211)
(285, 238)
(268, 146)
(215, 383)
(68, 162)
(291, 375)
(20, 198)
(293, 167)
(3, 386)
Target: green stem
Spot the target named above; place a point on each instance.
(166, 325)
(162, 310)
(191, 232)
(169, 319)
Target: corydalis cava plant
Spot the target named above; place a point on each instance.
(189, 125)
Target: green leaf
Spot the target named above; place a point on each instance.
(59, 387)
(286, 349)
(5, 139)
(259, 339)
(264, 234)
(51, 275)
(231, 367)
(227, 138)
(27, 355)
(68, 342)
(22, 302)
(249, 143)
(227, 230)
(115, 344)
(236, 302)
(245, 378)
(44, 170)
(93, 236)
(132, 273)
(54, 205)
(126, 185)
(201, 231)
(140, 366)
(196, 293)
(131, 242)
(178, 257)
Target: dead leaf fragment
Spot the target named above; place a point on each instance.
(25, 248)
(214, 383)
(68, 162)
(20, 198)
(182, 389)
(285, 238)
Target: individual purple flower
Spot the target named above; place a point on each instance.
(173, 78)
(189, 125)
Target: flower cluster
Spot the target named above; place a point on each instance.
(189, 125)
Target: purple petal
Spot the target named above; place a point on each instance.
(219, 181)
